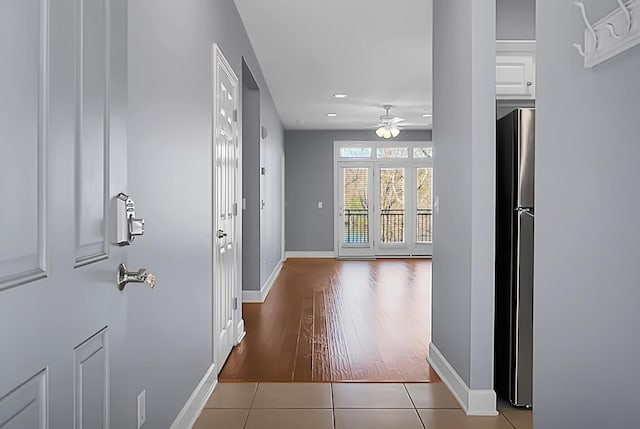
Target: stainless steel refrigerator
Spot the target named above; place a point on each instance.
(514, 256)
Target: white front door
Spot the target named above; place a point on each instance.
(225, 210)
(62, 163)
(354, 226)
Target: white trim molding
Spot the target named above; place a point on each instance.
(193, 407)
(240, 331)
(473, 402)
(311, 254)
(258, 296)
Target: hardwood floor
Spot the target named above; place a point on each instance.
(326, 320)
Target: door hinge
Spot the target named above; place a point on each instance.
(235, 209)
(235, 303)
(235, 115)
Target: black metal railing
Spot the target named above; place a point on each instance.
(356, 226)
(425, 226)
(392, 226)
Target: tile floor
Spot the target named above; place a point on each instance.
(345, 406)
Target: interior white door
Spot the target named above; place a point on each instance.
(225, 210)
(62, 162)
(354, 226)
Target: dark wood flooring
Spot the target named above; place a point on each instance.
(327, 320)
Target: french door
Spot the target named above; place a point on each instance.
(384, 201)
(354, 226)
(402, 210)
(225, 211)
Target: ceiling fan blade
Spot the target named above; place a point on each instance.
(396, 120)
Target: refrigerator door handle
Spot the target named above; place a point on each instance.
(525, 210)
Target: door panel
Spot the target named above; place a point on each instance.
(225, 150)
(526, 158)
(390, 211)
(424, 210)
(354, 226)
(523, 354)
(57, 261)
(23, 102)
(92, 133)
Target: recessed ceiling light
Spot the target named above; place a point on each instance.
(427, 115)
(332, 115)
(339, 95)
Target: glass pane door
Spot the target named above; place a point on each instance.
(424, 210)
(354, 213)
(391, 211)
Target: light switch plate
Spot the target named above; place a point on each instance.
(319, 204)
(436, 204)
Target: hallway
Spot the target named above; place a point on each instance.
(326, 320)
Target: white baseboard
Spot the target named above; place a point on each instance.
(193, 407)
(258, 296)
(473, 402)
(331, 254)
(240, 331)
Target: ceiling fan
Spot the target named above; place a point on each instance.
(388, 126)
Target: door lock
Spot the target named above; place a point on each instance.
(128, 227)
(140, 276)
(221, 234)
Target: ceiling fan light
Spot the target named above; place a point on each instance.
(387, 133)
(380, 132)
(395, 131)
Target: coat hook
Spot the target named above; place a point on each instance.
(580, 5)
(578, 46)
(627, 15)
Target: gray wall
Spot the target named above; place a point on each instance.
(250, 181)
(516, 19)
(309, 179)
(170, 75)
(586, 299)
(271, 153)
(464, 169)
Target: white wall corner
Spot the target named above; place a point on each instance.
(259, 296)
(240, 331)
(193, 407)
(330, 254)
(473, 402)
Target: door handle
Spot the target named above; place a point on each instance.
(221, 234)
(141, 276)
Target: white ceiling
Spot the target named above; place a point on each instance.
(376, 51)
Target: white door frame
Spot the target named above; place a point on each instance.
(219, 63)
(352, 250)
(411, 247)
(391, 249)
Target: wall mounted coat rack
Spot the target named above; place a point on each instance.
(612, 35)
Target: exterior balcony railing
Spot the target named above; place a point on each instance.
(392, 226)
